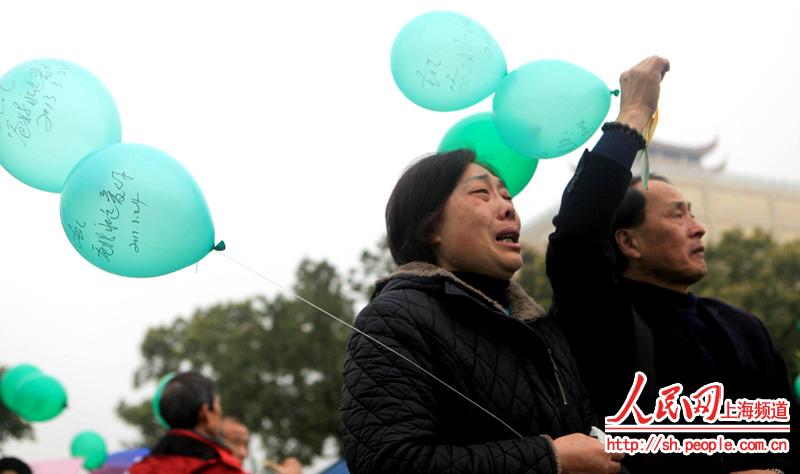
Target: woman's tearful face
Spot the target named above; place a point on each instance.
(479, 229)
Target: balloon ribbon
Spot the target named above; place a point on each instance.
(649, 131)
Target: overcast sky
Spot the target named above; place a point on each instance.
(287, 116)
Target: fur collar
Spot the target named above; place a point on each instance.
(522, 306)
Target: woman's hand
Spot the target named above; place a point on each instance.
(581, 454)
(641, 87)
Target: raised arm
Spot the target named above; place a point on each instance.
(587, 303)
(580, 254)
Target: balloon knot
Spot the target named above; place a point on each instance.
(220, 246)
(615, 92)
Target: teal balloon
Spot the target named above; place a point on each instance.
(39, 397)
(797, 386)
(446, 61)
(52, 113)
(91, 447)
(549, 108)
(157, 399)
(11, 380)
(135, 211)
(478, 133)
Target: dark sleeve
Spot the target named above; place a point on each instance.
(580, 256)
(389, 408)
(580, 263)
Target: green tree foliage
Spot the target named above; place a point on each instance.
(532, 277)
(11, 425)
(277, 362)
(373, 264)
(141, 416)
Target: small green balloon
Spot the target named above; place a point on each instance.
(157, 399)
(797, 386)
(11, 380)
(478, 133)
(91, 447)
(39, 397)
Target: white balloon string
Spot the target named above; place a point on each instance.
(379, 343)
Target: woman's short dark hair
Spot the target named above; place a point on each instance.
(415, 207)
(184, 396)
(630, 214)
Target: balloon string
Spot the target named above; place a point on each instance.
(379, 343)
(650, 128)
(649, 131)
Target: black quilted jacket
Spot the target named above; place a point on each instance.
(398, 419)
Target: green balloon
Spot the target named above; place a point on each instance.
(446, 61)
(478, 133)
(135, 211)
(11, 380)
(91, 447)
(548, 108)
(55, 113)
(797, 386)
(39, 397)
(157, 399)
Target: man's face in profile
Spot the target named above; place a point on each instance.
(670, 239)
(237, 437)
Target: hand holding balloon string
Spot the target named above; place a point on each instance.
(641, 89)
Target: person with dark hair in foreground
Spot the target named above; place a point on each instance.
(621, 260)
(452, 309)
(11, 465)
(192, 408)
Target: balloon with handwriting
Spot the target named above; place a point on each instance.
(446, 61)
(11, 380)
(135, 211)
(91, 447)
(478, 133)
(548, 108)
(39, 397)
(52, 113)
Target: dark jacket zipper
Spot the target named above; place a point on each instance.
(558, 376)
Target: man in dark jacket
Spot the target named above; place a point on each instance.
(620, 262)
(191, 407)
